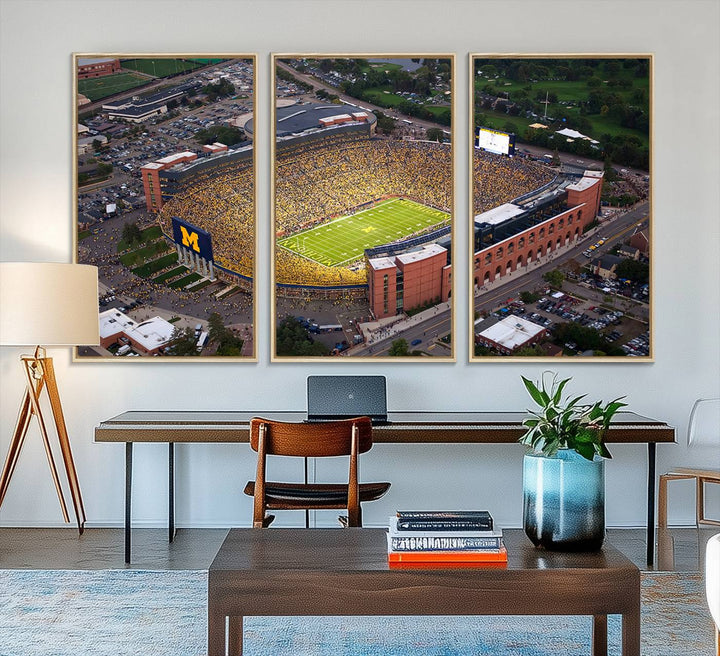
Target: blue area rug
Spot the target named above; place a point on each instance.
(131, 612)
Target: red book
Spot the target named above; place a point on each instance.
(448, 565)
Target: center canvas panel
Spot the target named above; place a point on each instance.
(363, 206)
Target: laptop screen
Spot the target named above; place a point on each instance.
(340, 397)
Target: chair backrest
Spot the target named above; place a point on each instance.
(704, 423)
(313, 439)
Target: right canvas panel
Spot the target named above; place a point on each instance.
(560, 188)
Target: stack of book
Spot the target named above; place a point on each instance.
(445, 538)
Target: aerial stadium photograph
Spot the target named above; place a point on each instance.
(560, 195)
(165, 203)
(363, 207)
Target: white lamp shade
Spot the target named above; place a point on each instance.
(48, 304)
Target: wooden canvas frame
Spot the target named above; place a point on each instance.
(299, 294)
(500, 87)
(161, 171)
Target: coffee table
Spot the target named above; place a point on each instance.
(275, 572)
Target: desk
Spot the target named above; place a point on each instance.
(207, 426)
(278, 572)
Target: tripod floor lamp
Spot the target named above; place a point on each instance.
(46, 304)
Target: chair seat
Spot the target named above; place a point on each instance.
(328, 495)
(713, 474)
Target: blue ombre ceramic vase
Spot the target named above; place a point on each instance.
(564, 501)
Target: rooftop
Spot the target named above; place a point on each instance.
(512, 332)
(499, 214)
(428, 250)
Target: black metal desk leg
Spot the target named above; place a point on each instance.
(651, 505)
(128, 497)
(171, 491)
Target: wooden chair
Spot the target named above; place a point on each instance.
(703, 429)
(349, 437)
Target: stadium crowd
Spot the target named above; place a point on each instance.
(335, 175)
(497, 179)
(220, 201)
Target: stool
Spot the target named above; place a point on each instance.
(701, 476)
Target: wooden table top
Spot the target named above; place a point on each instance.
(213, 426)
(365, 550)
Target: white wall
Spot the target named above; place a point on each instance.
(37, 40)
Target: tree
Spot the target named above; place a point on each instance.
(434, 134)
(530, 351)
(227, 342)
(638, 272)
(131, 233)
(183, 342)
(291, 338)
(104, 169)
(554, 278)
(220, 133)
(399, 347)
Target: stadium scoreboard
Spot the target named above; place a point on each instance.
(494, 141)
(192, 238)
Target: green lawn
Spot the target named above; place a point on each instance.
(185, 281)
(160, 67)
(101, 87)
(568, 91)
(149, 234)
(344, 240)
(146, 270)
(377, 96)
(170, 274)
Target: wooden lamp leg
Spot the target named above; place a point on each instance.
(39, 374)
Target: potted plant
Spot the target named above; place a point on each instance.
(564, 468)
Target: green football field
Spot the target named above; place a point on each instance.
(161, 67)
(343, 240)
(100, 87)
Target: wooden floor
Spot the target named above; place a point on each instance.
(680, 549)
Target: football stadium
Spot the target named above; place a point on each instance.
(357, 214)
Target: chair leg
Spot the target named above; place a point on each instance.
(699, 501)
(662, 501)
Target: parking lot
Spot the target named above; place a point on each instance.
(629, 334)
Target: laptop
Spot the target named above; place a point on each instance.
(330, 398)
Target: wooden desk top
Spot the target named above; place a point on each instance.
(211, 426)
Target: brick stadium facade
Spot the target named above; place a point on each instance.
(536, 230)
(89, 68)
(506, 239)
(402, 282)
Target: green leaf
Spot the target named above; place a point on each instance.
(586, 451)
(558, 392)
(534, 392)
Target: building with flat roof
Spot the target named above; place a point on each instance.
(510, 334)
(305, 118)
(137, 109)
(147, 337)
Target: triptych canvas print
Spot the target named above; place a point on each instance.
(364, 221)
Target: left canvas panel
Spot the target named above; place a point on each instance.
(165, 198)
